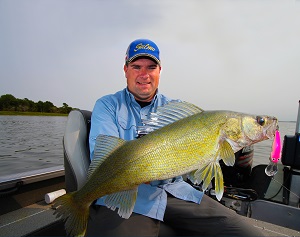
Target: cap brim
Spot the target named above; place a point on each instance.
(143, 55)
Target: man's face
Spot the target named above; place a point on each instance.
(142, 78)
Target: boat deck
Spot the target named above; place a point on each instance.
(32, 220)
(38, 220)
(269, 229)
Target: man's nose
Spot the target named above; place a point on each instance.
(144, 73)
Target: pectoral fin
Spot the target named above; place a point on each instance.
(206, 174)
(124, 200)
(226, 153)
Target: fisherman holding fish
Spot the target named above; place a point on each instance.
(186, 210)
(141, 143)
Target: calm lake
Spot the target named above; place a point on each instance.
(35, 142)
(30, 142)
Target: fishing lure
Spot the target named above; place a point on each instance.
(275, 156)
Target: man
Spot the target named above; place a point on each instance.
(174, 202)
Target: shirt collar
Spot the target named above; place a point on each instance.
(132, 99)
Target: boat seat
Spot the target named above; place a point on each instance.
(76, 149)
(77, 155)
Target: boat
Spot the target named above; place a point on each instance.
(25, 198)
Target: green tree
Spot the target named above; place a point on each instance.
(40, 106)
(47, 106)
(31, 104)
(8, 102)
(65, 108)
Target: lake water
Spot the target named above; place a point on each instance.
(30, 142)
(35, 142)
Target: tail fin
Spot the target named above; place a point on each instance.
(73, 213)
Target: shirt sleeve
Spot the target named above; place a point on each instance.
(103, 121)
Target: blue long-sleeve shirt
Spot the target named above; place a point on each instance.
(119, 115)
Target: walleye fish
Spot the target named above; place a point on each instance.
(184, 140)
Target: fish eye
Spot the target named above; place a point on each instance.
(260, 120)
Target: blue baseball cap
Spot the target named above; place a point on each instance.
(142, 48)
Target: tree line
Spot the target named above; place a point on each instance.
(10, 103)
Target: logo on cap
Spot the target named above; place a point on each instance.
(141, 46)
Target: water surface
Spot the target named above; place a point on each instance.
(30, 142)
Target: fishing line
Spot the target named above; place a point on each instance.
(282, 186)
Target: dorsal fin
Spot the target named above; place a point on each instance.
(104, 146)
(167, 114)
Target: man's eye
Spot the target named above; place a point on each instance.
(153, 67)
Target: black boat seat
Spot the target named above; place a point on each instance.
(77, 155)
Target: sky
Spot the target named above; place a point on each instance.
(241, 55)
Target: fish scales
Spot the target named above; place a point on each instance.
(192, 143)
(177, 144)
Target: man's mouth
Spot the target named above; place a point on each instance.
(143, 83)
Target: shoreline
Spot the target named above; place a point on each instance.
(16, 113)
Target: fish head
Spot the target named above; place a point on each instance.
(242, 130)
